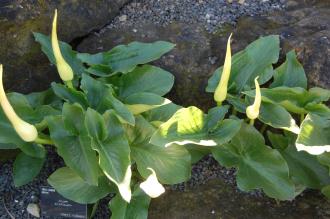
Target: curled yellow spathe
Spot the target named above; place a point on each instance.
(220, 93)
(252, 111)
(25, 131)
(63, 68)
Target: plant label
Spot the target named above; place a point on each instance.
(53, 205)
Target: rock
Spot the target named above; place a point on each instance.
(33, 209)
(217, 199)
(303, 26)
(26, 69)
(189, 61)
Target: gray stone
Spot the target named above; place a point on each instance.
(26, 69)
(216, 199)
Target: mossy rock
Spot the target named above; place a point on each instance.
(26, 69)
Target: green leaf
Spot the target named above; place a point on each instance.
(113, 149)
(162, 113)
(305, 168)
(290, 74)
(189, 126)
(68, 54)
(47, 97)
(314, 136)
(145, 78)
(70, 95)
(141, 102)
(26, 168)
(293, 99)
(278, 141)
(73, 118)
(258, 165)
(276, 116)
(326, 191)
(76, 150)
(197, 152)
(214, 116)
(136, 209)
(100, 70)
(100, 97)
(124, 58)
(68, 183)
(172, 165)
(255, 60)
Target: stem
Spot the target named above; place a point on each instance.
(302, 117)
(263, 128)
(94, 209)
(234, 112)
(44, 141)
(41, 125)
(219, 103)
(69, 84)
(252, 122)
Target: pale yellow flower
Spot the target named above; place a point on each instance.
(25, 131)
(63, 68)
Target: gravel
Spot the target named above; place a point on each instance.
(211, 13)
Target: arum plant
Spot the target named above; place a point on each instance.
(101, 127)
(273, 153)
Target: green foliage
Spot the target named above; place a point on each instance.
(101, 125)
(112, 125)
(286, 162)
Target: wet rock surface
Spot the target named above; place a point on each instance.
(216, 199)
(25, 67)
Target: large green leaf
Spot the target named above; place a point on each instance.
(326, 191)
(100, 97)
(293, 99)
(124, 58)
(314, 136)
(172, 164)
(69, 94)
(71, 186)
(190, 126)
(290, 74)
(277, 117)
(113, 149)
(145, 78)
(136, 209)
(162, 113)
(255, 60)
(69, 55)
(259, 166)
(26, 168)
(305, 168)
(76, 150)
(141, 102)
